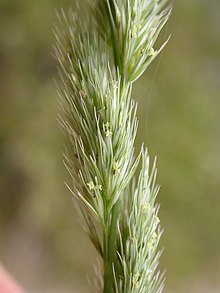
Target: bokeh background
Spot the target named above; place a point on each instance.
(41, 241)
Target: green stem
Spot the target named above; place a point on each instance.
(109, 239)
(107, 268)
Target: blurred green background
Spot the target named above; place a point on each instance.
(41, 241)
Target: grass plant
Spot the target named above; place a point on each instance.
(99, 61)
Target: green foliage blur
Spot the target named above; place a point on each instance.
(41, 240)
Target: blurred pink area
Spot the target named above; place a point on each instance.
(7, 283)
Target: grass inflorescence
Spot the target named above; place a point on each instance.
(99, 60)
